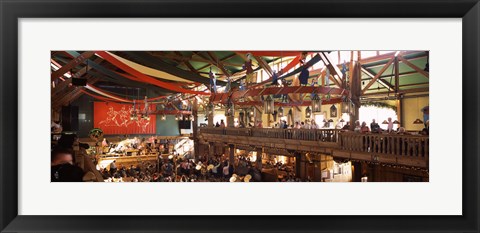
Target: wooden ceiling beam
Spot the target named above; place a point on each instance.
(72, 95)
(379, 80)
(187, 64)
(374, 79)
(416, 68)
(413, 90)
(218, 64)
(61, 86)
(334, 70)
(72, 64)
(199, 58)
(263, 64)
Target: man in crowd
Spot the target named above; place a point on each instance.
(374, 127)
(62, 168)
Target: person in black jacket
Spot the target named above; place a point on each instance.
(62, 168)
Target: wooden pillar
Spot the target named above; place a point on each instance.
(210, 117)
(258, 117)
(196, 149)
(259, 158)
(231, 157)
(231, 121)
(355, 91)
(211, 150)
(300, 168)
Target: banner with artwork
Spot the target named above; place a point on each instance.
(115, 118)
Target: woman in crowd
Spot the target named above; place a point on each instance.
(364, 128)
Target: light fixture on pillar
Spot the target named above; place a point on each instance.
(180, 117)
(268, 105)
(385, 122)
(342, 120)
(229, 109)
(308, 112)
(280, 111)
(396, 122)
(176, 117)
(163, 117)
(190, 118)
(330, 120)
(316, 104)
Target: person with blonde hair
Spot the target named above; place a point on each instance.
(357, 126)
(364, 128)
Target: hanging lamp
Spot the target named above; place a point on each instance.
(316, 104)
(229, 109)
(308, 112)
(280, 111)
(268, 105)
(333, 111)
(346, 105)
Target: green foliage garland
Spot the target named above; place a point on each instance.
(379, 105)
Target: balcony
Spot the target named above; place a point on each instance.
(406, 150)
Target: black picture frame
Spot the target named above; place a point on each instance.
(11, 11)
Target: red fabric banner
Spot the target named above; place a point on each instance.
(114, 118)
(146, 78)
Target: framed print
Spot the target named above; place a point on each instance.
(239, 116)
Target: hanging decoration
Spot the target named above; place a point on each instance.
(229, 109)
(316, 104)
(268, 105)
(333, 111)
(134, 114)
(146, 110)
(145, 78)
(280, 111)
(379, 105)
(308, 112)
(346, 105)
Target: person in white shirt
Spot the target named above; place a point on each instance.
(390, 125)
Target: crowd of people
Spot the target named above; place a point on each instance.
(215, 168)
(311, 124)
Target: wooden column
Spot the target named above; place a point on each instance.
(210, 117)
(231, 157)
(355, 83)
(211, 149)
(231, 121)
(196, 149)
(300, 168)
(259, 158)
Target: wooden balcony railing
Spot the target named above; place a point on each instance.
(389, 144)
(324, 135)
(410, 150)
